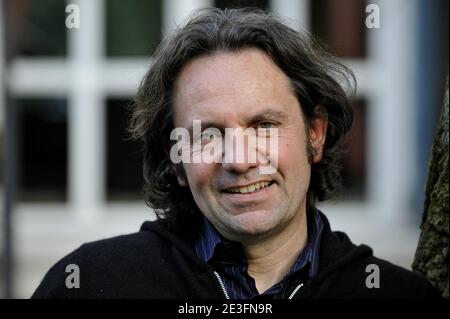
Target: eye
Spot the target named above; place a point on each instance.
(206, 136)
(265, 124)
(209, 135)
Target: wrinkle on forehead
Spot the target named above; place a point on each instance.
(243, 79)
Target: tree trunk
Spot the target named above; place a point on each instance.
(431, 257)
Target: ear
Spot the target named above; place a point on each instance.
(181, 176)
(318, 133)
(181, 181)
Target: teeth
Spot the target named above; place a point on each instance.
(249, 188)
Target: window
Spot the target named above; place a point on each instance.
(42, 149)
(354, 161)
(262, 4)
(340, 25)
(133, 29)
(38, 27)
(124, 158)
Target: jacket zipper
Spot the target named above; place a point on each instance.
(225, 293)
(222, 286)
(295, 291)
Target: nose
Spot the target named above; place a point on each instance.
(240, 152)
(238, 167)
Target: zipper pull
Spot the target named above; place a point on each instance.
(295, 291)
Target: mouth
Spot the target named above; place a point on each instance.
(248, 189)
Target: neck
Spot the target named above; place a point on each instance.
(270, 259)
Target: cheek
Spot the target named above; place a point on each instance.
(293, 159)
(199, 176)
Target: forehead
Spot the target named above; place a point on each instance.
(229, 83)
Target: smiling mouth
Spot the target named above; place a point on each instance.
(248, 188)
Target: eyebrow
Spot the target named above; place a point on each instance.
(267, 114)
(263, 115)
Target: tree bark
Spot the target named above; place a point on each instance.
(431, 258)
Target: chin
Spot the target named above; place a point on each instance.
(254, 223)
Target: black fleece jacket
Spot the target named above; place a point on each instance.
(154, 263)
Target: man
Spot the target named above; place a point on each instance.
(225, 227)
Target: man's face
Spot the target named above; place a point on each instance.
(246, 90)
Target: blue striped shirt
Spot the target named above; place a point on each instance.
(229, 260)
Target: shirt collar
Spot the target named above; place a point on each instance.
(209, 238)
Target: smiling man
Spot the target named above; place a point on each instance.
(224, 227)
(265, 213)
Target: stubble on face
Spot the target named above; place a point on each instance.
(229, 90)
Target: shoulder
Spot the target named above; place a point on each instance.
(372, 277)
(119, 249)
(350, 271)
(106, 266)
